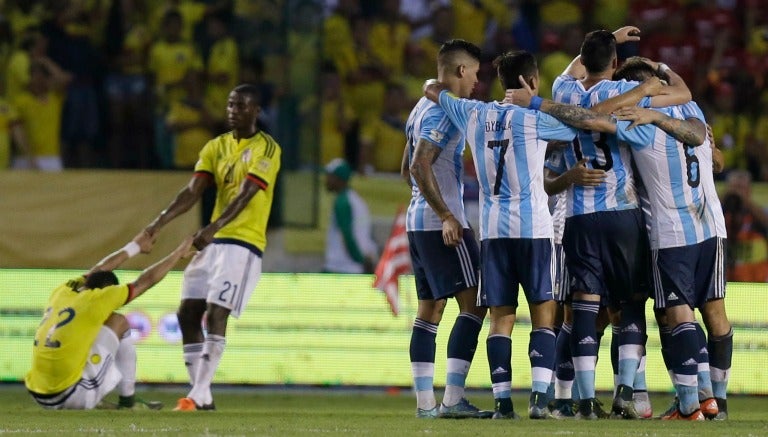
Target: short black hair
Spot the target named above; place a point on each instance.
(249, 90)
(598, 50)
(101, 279)
(512, 64)
(634, 68)
(451, 47)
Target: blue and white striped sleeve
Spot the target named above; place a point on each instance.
(437, 128)
(458, 109)
(639, 137)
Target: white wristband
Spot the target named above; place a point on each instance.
(132, 249)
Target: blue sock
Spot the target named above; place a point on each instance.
(704, 380)
(563, 364)
(665, 334)
(584, 345)
(684, 353)
(462, 344)
(631, 339)
(720, 354)
(541, 352)
(422, 352)
(499, 362)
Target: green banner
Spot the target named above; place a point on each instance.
(323, 329)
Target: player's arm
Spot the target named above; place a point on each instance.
(675, 93)
(718, 160)
(650, 87)
(142, 243)
(156, 272)
(580, 175)
(248, 189)
(688, 131)
(184, 200)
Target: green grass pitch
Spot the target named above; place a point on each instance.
(269, 412)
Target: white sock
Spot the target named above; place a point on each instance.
(212, 351)
(192, 354)
(125, 360)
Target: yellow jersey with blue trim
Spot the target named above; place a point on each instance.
(71, 323)
(230, 161)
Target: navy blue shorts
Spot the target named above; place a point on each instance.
(508, 263)
(606, 254)
(441, 271)
(689, 275)
(562, 282)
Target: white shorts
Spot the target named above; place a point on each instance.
(224, 274)
(100, 376)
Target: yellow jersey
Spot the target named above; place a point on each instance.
(63, 339)
(224, 58)
(42, 121)
(189, 141)
(387, 136)
(230, 162)
(8, 116)
(170, 62)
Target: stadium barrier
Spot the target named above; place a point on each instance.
(331, 330)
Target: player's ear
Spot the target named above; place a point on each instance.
(460, 70)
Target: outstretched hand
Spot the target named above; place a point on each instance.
(519, 96)
(626, 33)
(145, 241)
(638, 116)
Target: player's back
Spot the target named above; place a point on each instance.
(509, 153)
(429, 122)
(71, 322)
(601, 150)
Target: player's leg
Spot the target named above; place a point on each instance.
(720, 344)
(429, 312)
(674, 270)
(213, 348)
(565, 392)
(499, 290)
(100, 374)
(194, 291)
(462, 341)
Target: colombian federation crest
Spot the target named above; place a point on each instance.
(246, 156)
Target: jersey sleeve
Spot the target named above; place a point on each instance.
(692, 110)
(437, 128)
(263, 166)
(639, 137)
(560, 81)
(550, 128)
(206, 162)
(457, 109)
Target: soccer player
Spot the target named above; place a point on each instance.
(243, 165)
(687, 228)
(82, 348)
(605, 265)
(443, 249)
(516, 231)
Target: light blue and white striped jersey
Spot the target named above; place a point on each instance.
(429, 122)
(508, 145)
(685, 209)
(603, 151)
(557, 201)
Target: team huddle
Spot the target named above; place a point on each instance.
(592, 203)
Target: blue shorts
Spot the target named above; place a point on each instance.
(562, 282)
(508, 263)
(441, 271)
(606, 254)
(689, 275)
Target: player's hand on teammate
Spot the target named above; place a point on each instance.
(519, 96)
(653, 86)
(637, 116)
(145, 241)
(452, 231)
(584, 176)
(626, 34)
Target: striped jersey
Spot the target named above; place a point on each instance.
(602, 151)
(557, 201)
(508, 145)
(429, 122)
(685, 209)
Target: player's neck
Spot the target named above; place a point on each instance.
(451, 84)
(594, 78)
(246, 133)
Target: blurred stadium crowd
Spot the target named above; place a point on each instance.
(143, 84)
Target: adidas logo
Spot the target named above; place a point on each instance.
(672, 296)
(535, 354)
(499, 371)
(704, 351)
(631, 328)
(690, 362)
(587, 340)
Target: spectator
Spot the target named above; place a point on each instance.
(11, 128)
(222, 68)
(349, 247)
(747, 225)
(33, 46)
(335, 118)
(191, 123)
(382, 139)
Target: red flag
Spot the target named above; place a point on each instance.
(395, 261)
